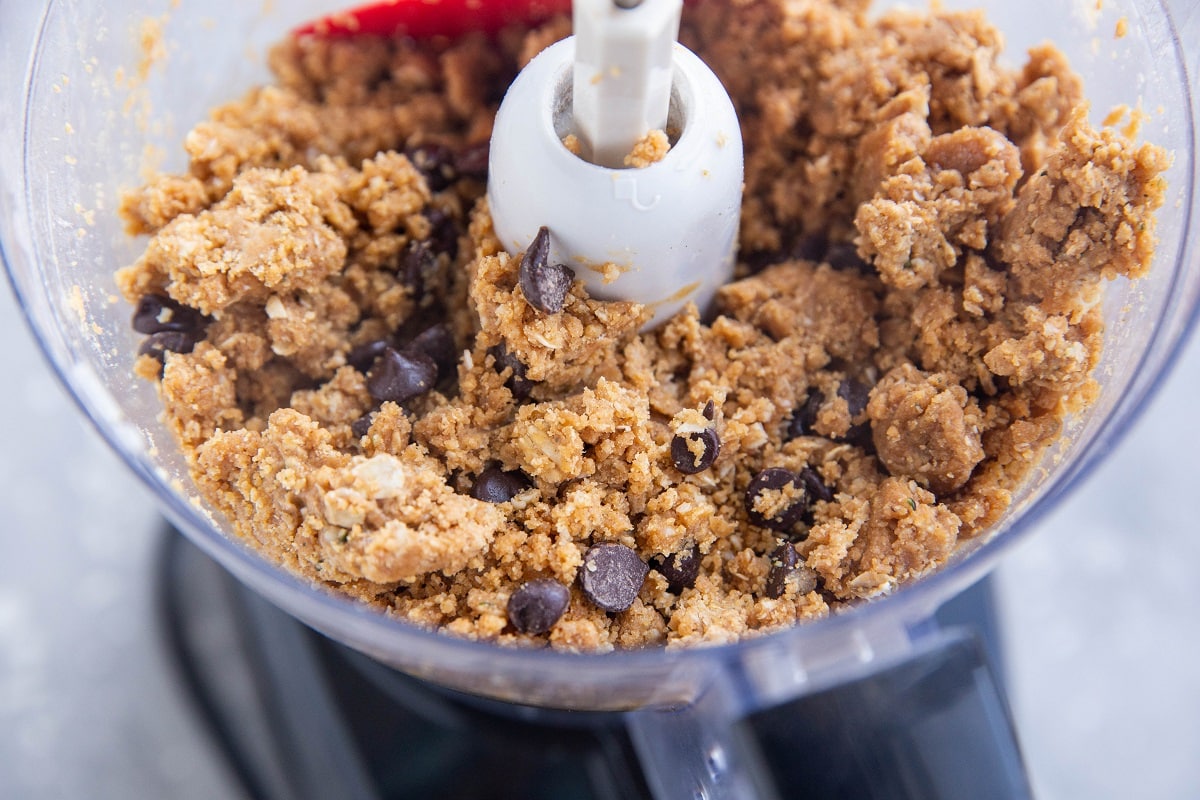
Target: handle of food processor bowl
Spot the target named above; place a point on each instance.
(701, 751)
(931, 723)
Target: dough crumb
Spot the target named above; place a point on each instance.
(650, 149)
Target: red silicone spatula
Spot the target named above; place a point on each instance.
(423, 18)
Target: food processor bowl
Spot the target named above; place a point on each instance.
(98, 94)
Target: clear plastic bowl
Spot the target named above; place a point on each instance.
(94, 93)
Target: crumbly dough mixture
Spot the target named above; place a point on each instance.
(924, 238)
(650, 149)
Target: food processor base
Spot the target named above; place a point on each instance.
(298, 716)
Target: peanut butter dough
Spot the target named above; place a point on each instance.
(366, 394)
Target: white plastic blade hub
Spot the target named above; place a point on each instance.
(670, 229)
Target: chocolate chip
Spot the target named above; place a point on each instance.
(783, 563)
(686, 460)
(363, 356)
(844, 256)
(612, 575)
(419, 266)
(156, 313)
(472, 161)
(816, 488)
(777, 479)
(444, 233)
(710, 411)
(860, 435)
(680, 569)
(435, 163)
(494, 485)
(401, 375)
(810, 247)
(362, 426)
(755, 262)
(544, 285)
(157, 345)
(787, 568)
(536, 605)
(804, 417)
(856, 394)
(517, 383)
(437, 342)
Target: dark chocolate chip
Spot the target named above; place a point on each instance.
(544, 285)
(472, 161)
(844, 256)
(710, 411)
(494, 485)
(783, 564)
(860, 435)
(401, 375)
(437, 342)
(775, 479)
(804, 417)
(156, 313)
(816, 488)
(536, 605)
(755, 262)
(686, 460)
(538, 252)
(157, 345)
(612, 575)
(362, 426)
(419, 266)
(363, 356)
(435, 162)
(856, 394)
(811, 247)
(680, 569)
(444, 233)
(517, 383)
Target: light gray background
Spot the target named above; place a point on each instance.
(1101, 614)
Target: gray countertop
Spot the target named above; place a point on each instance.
(1100, 611)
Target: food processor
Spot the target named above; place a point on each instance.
(97, 93)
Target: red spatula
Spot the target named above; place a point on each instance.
(424, 18)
